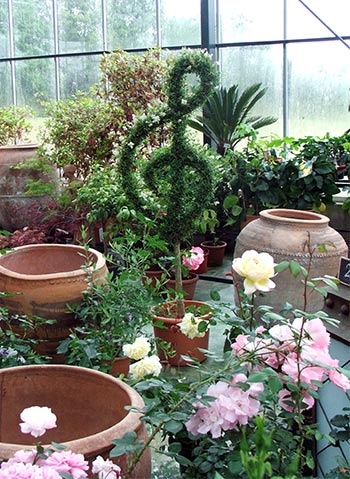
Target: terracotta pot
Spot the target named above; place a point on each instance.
(216, 252)
(89, 405)
(188, 285)
(181, 344)
(154, 276)
(13, 183)
(45, 280)
(283, 233)
(204, 266)
(120, 366)
(247, 220)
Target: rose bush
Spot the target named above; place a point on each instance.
(249, 415)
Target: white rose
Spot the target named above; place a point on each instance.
(189, 326)
(144, 367)
(257, 269)
(137, 350)
(36, 420)
(105, 468)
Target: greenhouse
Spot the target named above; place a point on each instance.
(174, 239)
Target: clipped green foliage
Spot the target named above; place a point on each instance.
(179, 175)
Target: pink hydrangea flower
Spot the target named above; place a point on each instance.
(194, 259)
(68, 462)
(36, 420)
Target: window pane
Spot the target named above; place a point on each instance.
(251, 20)
(180, 22)
(319, 88)
(33, 27)
(79, 25)
(5, 82)
(78, 74)
(248, 65)
(34, 82)
(301, 23)
(4, 30)
(131, 24)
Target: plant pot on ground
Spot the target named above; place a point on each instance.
(179, 337)
(24, 176)
(216, 251)
(45, 282)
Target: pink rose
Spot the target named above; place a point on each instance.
(18, 470)
(68, 462)
(339, 379)
(194, 259)
(287, 403)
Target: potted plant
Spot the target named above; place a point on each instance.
(227, 116)
(110, 316)
(25, 178)
(84, 132)
(179, 175)
(261, 177)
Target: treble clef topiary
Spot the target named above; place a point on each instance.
(179, 176)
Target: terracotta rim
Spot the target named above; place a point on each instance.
(208, 245)
(22, 146)
(294, 216)
(98, 264)
(103, 438)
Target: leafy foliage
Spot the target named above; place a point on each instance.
(227, 116)
(14, 124)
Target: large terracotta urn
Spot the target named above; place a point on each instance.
(167, 332)
(45, 280)
(14, 201)
(89, 405)
(284, 234)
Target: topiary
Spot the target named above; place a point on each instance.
(179, 176)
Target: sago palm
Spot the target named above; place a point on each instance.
(227, 116)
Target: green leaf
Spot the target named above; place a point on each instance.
(294, 268)
(281, 266)
(173, 426)
(126, 445)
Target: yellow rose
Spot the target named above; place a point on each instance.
(257, 269)
(138, 350)
(189, 326)
(144, 367)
